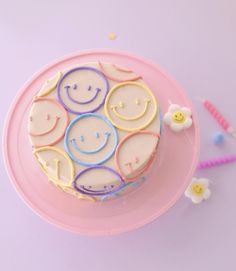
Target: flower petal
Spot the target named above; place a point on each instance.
(167, 118)
(203, 181)
(187, 112)
(188, 192)
(194, 179)
(196, 199)
(176, 127)
(173, 108)
(207, 193)
(188, 122)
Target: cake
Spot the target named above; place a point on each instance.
(94, 130)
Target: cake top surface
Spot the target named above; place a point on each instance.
(89, 124)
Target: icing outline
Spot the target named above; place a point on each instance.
(138, 84)
(135, 184)
(98, 72)
(44, 167)
(74, 121)
(48, 131)
(37, 99)
(56, 77)
(85, 102)
(134, 78)
(101, 193)
(103, 145)
(121, 69)
(147, 165)
(147, 101)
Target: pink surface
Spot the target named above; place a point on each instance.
(176, 162)
(194, 40)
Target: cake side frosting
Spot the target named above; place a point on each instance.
(94, 133)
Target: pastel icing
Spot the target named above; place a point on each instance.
(94, 129)
(130, 106)
(90, 91)
(131, 152)
(56, 164)
(117, 73)
(48, 121)
(127, 188)
(98, 181)
(50, 85)
(92, 150)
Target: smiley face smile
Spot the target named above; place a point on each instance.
(84, 102)
(101, 191)
(91, 150)
(114, 108)
(48, 131)
(103, 145)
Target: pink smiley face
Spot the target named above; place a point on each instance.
(47, 122)
(131, 160)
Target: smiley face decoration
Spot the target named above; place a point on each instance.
(95, 129)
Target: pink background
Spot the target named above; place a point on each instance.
(195, 42)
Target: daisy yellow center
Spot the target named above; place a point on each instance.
(178, 117)
(197, 188)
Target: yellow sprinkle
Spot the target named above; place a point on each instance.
(112, 36)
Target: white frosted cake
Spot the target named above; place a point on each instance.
(94, 129)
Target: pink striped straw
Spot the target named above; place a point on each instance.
(216, 161)
(219, 117)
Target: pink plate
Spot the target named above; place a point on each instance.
(177, 158)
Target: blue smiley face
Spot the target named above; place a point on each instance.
(90, 139)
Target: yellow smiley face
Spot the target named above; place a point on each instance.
(130, 106)
(178, 117)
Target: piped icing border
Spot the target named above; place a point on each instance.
(74, 121)
(78, 69)
(44, 168)
(147, 165)
(121, 69)
(134, 78)
(135, 84)
(37, 99)
(100, 193)
(136, 184)
(49, 88)
(75, 193)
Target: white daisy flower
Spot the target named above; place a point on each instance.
(178, 118)
(198, 190)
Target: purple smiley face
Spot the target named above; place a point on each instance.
(98, 181)
(82, 90)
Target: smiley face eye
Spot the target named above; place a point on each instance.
(97, 135)
(74, 86)
(89, 88)
(81, 138)
(137, 101)
(121, 104)
(66, 87)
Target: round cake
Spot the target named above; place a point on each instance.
(94, 129)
